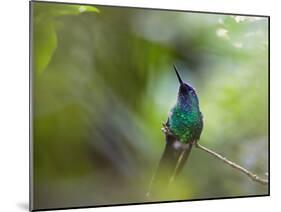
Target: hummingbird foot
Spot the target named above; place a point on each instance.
(166, 129)
(195, 142)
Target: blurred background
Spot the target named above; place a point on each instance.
(103, 84)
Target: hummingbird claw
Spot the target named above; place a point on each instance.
(166, 129)
(195, 142)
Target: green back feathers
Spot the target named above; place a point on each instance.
(185, 119)
(185, 122)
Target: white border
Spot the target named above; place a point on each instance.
(14, 92)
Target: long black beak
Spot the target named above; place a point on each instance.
(179, 78)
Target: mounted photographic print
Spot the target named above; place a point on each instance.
(137, 105)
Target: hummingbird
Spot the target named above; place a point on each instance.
(182, 130)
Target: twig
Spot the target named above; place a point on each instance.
(253, 176)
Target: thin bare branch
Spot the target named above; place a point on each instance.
(251, 175)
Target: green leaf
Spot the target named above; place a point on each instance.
(81, 9)
(45, 43)
(45, 38)
(55, 10)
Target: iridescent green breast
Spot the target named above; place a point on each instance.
(185, 123)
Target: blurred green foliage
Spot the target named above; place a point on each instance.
(45, 40)
(103, 84)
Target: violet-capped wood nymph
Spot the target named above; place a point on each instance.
(182, 130)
